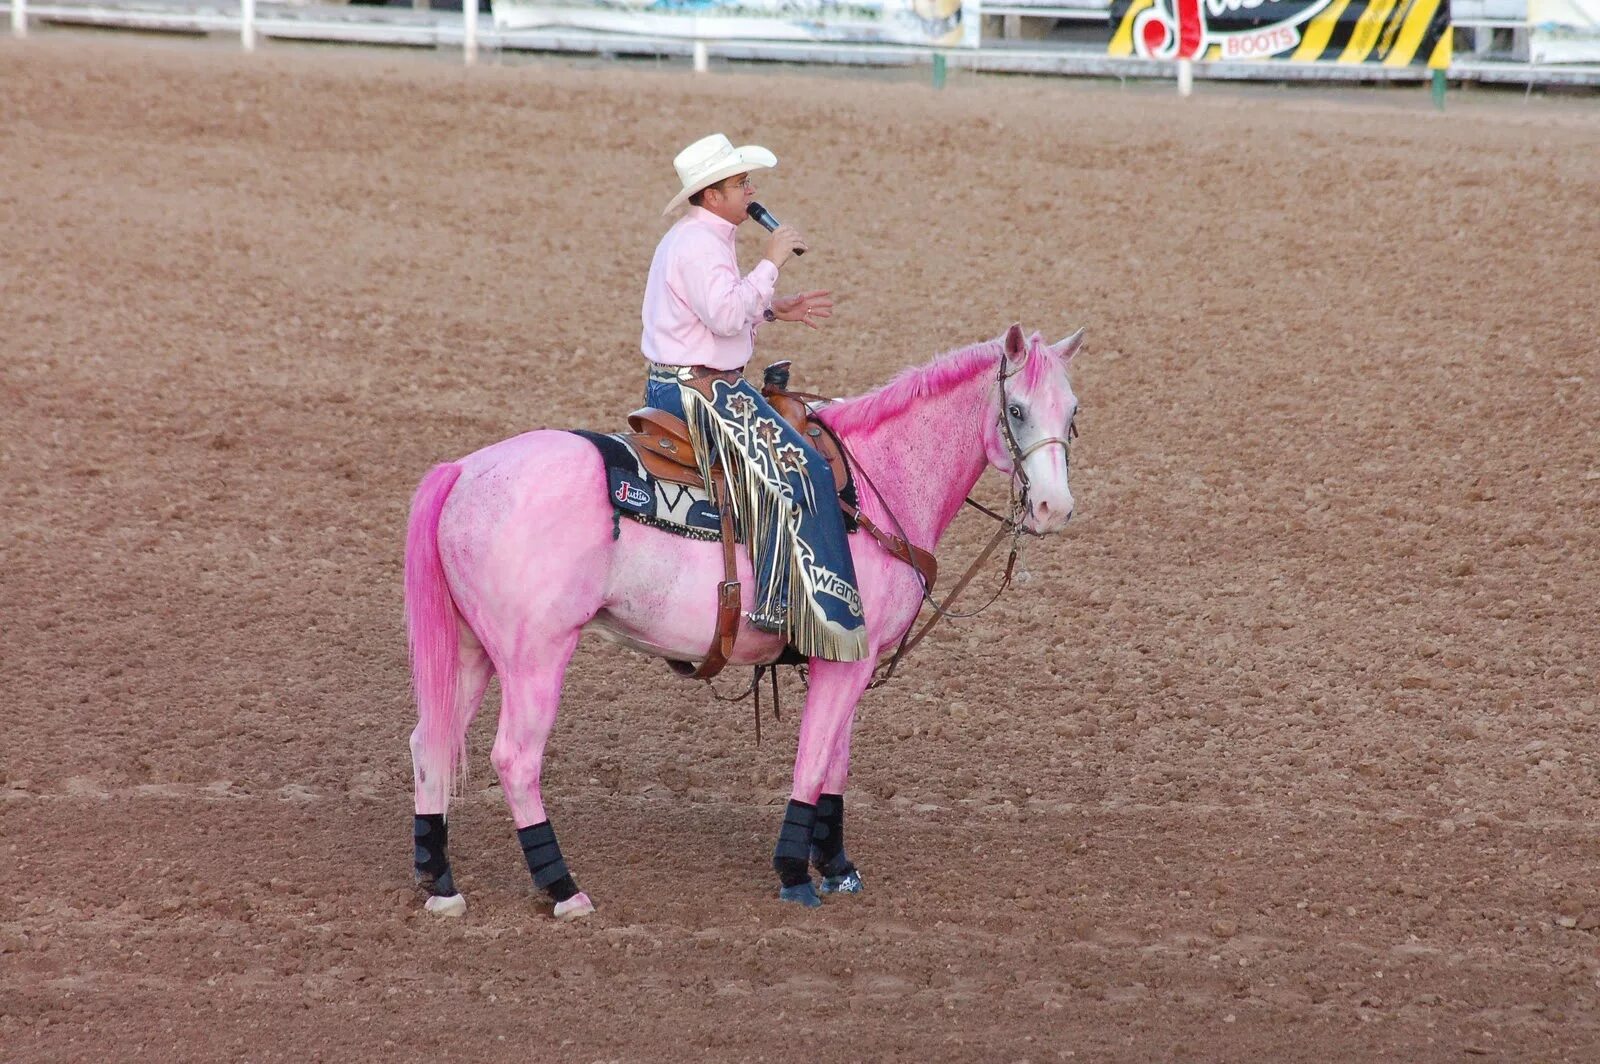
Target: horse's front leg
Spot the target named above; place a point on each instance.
(835, 688)
(839, 875)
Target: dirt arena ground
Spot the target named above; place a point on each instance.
(1287, 751)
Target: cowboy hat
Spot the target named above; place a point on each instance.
(711, 159)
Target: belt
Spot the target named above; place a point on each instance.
(684, 374)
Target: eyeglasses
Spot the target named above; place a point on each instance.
(743, 186)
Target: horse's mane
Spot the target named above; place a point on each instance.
(920, 382)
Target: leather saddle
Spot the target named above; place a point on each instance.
(662, 439)
(662, 443)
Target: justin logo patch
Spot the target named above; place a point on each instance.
(630, 492)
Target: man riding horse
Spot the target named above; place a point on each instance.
(516, 549)
(700, 322)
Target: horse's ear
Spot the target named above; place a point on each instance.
(1070, 346)
(1016, 347)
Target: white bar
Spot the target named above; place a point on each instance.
(19, 18)
(469, 31)
(702, 58)
(247, 25)
(1185, 77)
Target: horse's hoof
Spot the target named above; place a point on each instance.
(801, 894)
(447, 905)
(849, 883)
(575, 907)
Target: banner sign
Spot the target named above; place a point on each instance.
(1564, 31)
(933, 23)
(1390, 32)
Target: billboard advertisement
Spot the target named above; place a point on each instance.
(1390, 32)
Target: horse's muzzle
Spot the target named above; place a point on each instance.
(1045, 516)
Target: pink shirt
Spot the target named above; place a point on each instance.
(698, 311)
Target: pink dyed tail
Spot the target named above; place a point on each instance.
(431, 620)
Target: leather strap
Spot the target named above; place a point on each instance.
(701, 379)
(926, 565)
(941, 610)
(728, 598)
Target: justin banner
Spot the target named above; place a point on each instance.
(1564, 31)
(941, 23)
(1390, 32)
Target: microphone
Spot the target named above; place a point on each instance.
(763, 217)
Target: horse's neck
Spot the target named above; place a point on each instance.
(923, 461)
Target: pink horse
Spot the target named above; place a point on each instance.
(510, 556)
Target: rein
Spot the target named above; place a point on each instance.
(1010, 524)
(941, 610)
(899, 545)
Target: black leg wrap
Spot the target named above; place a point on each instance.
(794, 843)
(430, 836)
(827, 837)
(545, 862)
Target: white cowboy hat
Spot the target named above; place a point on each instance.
(710, 159)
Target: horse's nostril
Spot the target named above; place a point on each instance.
(1042, 511)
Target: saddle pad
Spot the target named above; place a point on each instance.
(637, 495)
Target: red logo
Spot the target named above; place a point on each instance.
(629, 495)
(1172, 30)
(1240, 29)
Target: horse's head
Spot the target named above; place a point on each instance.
(1033, 422)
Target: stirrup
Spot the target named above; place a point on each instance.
(769, 620)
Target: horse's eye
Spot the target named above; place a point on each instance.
(1015, 411)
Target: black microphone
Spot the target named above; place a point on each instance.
(765, 220)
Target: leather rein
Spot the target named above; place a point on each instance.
(1010, 524)
(899, 544)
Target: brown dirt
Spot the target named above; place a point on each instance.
(1287, 752)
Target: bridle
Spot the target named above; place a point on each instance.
(1019, 456)
(1010, 524)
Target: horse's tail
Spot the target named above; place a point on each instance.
(432, 626)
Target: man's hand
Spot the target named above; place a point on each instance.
(806, 307)
(783, 242)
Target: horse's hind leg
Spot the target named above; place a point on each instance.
(433, 775)
(531, 695)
